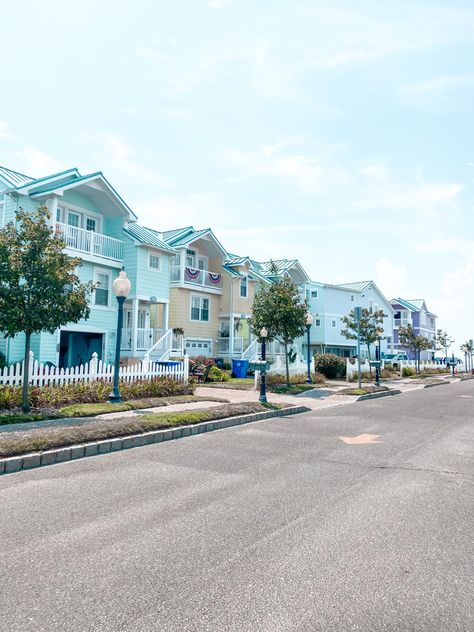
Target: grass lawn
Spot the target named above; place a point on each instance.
(39, 439)
(91, 410)
(365, 390)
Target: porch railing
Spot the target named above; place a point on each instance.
(204, 278)
(90, 242)
(224, 345)
(145, 338)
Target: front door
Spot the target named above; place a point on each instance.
(76, 347)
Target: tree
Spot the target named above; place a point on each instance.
(39, 290)
(370, 327)
(413, 342)
(467, 348)
(443, 342)
(279, 308)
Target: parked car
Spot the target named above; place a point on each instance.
(394, 359)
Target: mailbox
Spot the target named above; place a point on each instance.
(259, 365)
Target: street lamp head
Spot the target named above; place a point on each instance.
(121, 286)
(263, 332)
(308, 319)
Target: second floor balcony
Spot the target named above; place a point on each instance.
(90, 242)
(205, 279)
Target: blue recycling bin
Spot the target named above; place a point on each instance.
(239, 368)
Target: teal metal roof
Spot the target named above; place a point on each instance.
(170, 234)
(359, 286)
(417, 302)
(406, 304)
(13, 178)
(184, 236)
(146, 236)
(34, 181)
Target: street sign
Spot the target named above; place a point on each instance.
(375, 363)
(357, 313)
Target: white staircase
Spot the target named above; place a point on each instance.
(251, 352)
(162, 348)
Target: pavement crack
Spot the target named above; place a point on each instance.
(409, 468)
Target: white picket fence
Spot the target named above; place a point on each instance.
(351, 368)
(44, 375)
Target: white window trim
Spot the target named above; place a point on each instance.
(154, 253)
(63, 207)
(109, 273)
(317, 322)
(246, 287)
(200, 297)
(314, 293)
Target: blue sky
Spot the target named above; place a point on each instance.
(339, 133)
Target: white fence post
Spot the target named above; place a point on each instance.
(93, 366)
(186, 368)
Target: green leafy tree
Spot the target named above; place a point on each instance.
(467, 348)
(370, 327)
(413, 342)
(279, 308)
(39, 290)
(443, 342)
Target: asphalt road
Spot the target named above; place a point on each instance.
(277, 525)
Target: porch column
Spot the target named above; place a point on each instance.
(166, 317)
(231, 336)
(182, 260)
(134, 326)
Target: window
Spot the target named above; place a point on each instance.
(58, 214)
(314, 293)
(73, 219)
(389, 340)
(432, 322)
(102, 291)
(153, 261)
(202, 263)
(91, 224)
(317, 322)
(352, 298)
(199, 308)
(308, 294)
(244, 287)
(371, 306)
(333, 323)
(190, 258)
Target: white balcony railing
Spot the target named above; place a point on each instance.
(204, 278)
(90, 242)
(145, 338)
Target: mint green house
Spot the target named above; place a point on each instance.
(100, 228)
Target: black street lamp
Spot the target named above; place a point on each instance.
(378, 365)
(263, 376)
(121, 288)
(308, 321)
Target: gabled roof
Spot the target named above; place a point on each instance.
(185, 236)
(417, 302)
(54, 177)
(146, 236)
(359, 286)
(13, 178)
(405, 304)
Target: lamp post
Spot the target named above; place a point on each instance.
(453, 362)
(378, 360)
(357, 317)
(263, 374)
(121, 288)
(308, 319)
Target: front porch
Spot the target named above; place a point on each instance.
(144, 324)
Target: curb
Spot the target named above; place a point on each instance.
(436, 384)
(362, 398)
(74, 452)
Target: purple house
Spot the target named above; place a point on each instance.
(415, 313)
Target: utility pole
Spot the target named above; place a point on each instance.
(358, 316)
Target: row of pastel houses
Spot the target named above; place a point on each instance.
(189, 294)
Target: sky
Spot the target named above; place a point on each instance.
(336, 132)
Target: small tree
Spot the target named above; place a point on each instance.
(279, 308)
(370, 327)
(39, 290)
(467, 348)
(415, 343)
(443, 342)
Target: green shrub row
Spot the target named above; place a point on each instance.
(91, 392)
(330, 365)
(275, 379)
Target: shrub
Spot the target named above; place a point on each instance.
(91, 392)
(277, 379)
(365, 375)
(407, 371)
(201, 360)
(217, 375)
(330, 365)
(3, 361)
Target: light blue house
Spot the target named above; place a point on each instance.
(329, 303)
(100, 228)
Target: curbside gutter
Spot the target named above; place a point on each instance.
(362, 398)
(71, 453)
(436, 384)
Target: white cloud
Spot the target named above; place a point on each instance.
(166, 212)
(4, 133)
(391, 277)
(38, 163)
(219, 4)
(120, 156)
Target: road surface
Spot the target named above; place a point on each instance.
(273, 526)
